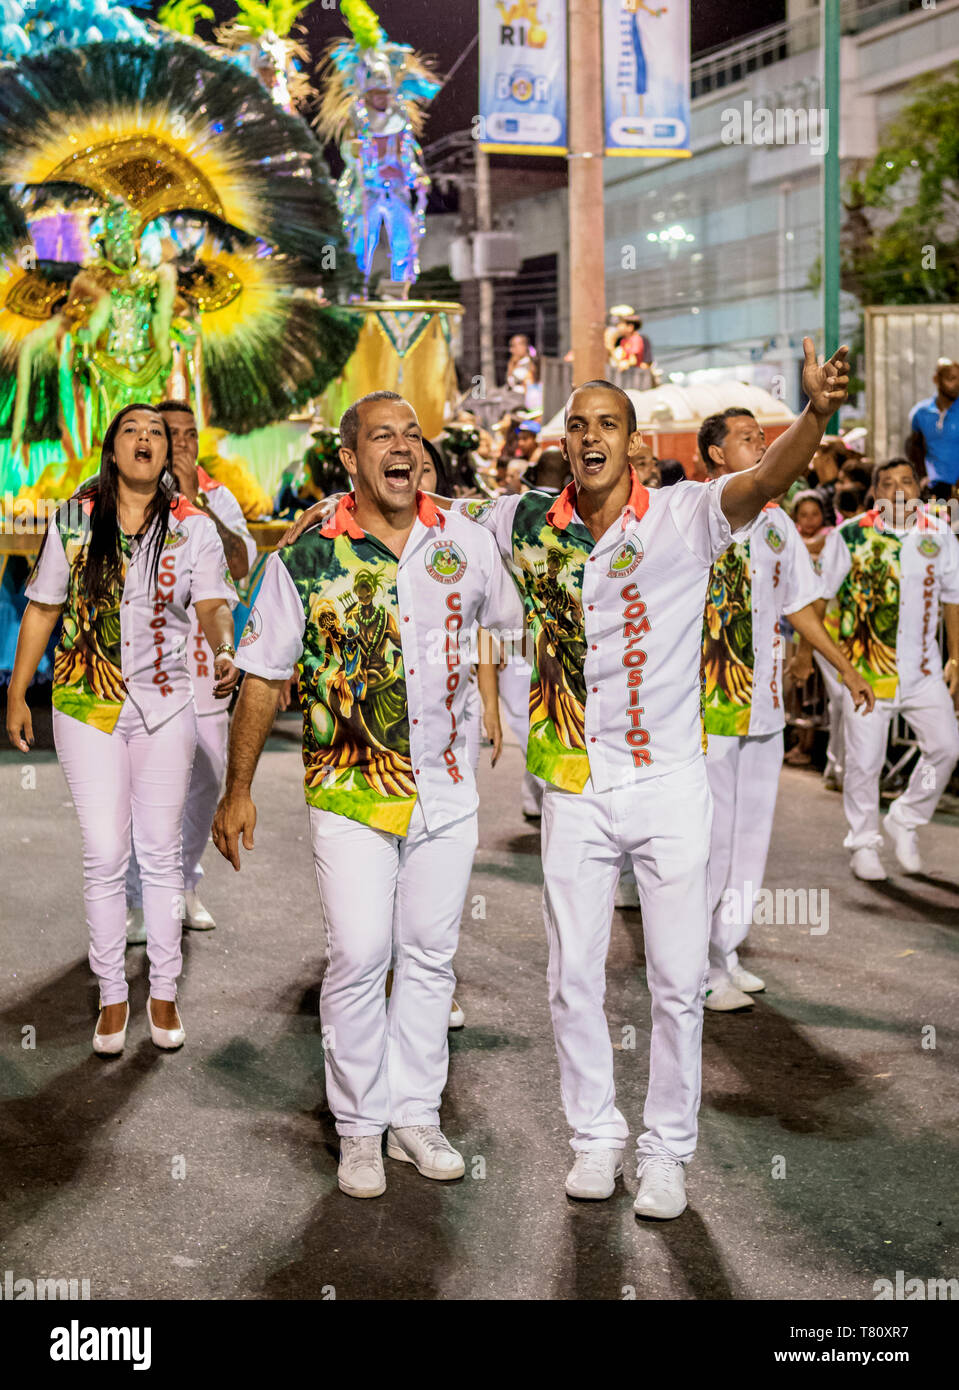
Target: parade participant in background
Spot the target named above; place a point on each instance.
(809, 515)
(890, 569)
(527, 440)
(671, 472)
(370, 609)
(933, 442)
(481, 713)
(550, 472)
(519, 368)
(209, 762)
(122, 563)
(764, 574)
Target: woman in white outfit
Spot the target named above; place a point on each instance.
(121, 563)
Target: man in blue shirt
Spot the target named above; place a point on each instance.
(933, 442)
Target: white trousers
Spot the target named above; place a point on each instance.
(929, 710)
(206, 780)
(130, 777)
(834, 694)
(388, 900)
(514, 682)
(744, 780)
(661, 827)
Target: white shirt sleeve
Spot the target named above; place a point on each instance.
(502, 608)
(802, 585)
(210, 578)
(697, 511)
(834, 563)
(949, 572)
(495, 514)
(229, 511)
(50, 582)
(272, 641)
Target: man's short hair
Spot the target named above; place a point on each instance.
(175, 408)
(881, 468)
(714, 429)
(350, 419)
(606, 386)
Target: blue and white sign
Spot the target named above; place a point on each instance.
(522, 77)
(646, 70)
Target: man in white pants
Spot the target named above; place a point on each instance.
(614, 580)
(765, 573)
(371, 609)
(891, 569)
(213, 716)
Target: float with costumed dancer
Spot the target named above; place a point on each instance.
(167, 229)
(373, 91)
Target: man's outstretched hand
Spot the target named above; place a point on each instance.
(235, 816)
(318, 513)
(825, 383)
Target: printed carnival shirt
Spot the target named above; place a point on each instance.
(617, 624)
(227, 510)
(379, 647)
(136, 644)
(889, 584)
(765, 572)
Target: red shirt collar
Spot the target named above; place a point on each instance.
(924, 522)
(560, 513)
(342, 518)
(207, 483)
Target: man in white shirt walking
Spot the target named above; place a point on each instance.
(370, 609)
(764, 574)
(891, 569)
(614, 580)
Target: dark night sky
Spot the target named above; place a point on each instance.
(443, 29)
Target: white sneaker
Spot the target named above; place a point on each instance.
(136, 928)
(904, 843)
(360, 1172)
(428, 1148)
(626, 895)
(724, 996)
(745, 980)
(867, 865)
(593, 1175)
(196, 915)
(662, 1187)
(457, 1016)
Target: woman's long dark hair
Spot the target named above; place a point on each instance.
(104, 559)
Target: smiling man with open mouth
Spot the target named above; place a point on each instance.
(368, 607)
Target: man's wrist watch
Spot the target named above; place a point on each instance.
(224, 647)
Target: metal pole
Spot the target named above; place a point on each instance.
(587, 272)
(484, 223)
(830, 183)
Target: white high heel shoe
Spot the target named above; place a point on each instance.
(167, 1038)
(109, 1044)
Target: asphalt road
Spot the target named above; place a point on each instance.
(828, 1147)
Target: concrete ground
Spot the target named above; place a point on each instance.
(827, 1157)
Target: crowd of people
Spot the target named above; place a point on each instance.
(636, 629)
